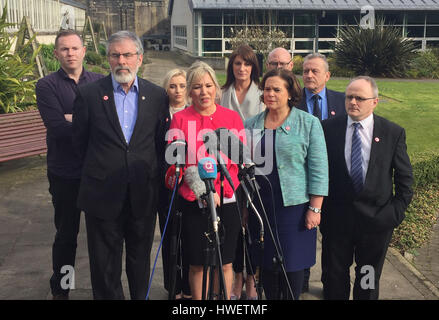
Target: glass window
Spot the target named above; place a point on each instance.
(285, 17)
(433, 31)
(229, 17)
(327, 32)
(229, 31)
(212, 45)
(304, 45)
(211, 17)
(212, 32)
(433, 18)
(415, 32)
(415, 18)
(325, 45)
(304, 19)
(349, 19)
(432, 44)
(304, 32)
(330, 18)
(391, 18)
(258, 17)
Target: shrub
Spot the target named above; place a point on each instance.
(94, 58)
(378, 52)
(298, 64)
(425, 65)
(52, 64)
(421, 214)
(17, 87)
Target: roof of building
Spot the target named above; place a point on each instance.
(317, 4)
(74, 4)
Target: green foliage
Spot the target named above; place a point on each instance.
(379, 52)
(298, 64)
(52, 64)
(93, 58)
(425, 65)
(17, 89)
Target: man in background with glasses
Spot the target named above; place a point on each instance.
(115, 125)
(279, 58)
(370, 179)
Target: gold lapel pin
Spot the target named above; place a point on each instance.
(143, 98)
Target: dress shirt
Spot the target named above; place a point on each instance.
(55, 95)
(126, 107)
(323, 102)
(365, 132)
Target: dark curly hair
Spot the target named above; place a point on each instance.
(293, 86)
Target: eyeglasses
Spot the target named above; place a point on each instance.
(127, 55)
(358, 99)
(280, 64)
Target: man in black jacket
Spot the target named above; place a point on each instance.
(55, 94)
(370, 179)
(115, 123)
(316, 98)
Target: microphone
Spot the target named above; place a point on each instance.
(233, 147)
(192, 178)
(212, 144)
(175, 154)
(171, 177)
(207, 171)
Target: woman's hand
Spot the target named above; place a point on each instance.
(312, 219)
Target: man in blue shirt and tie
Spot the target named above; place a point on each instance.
(317, 99)
(115, 126)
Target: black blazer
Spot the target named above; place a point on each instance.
(378, 206)
(336, 103)
(110, 165)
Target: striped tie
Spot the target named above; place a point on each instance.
(356, 159)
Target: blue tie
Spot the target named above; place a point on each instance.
(356, 159)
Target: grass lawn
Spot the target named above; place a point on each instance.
(414, 105)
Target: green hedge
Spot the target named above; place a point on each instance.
(422, 212)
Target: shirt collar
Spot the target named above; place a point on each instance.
(365, 123)
(64, 74)
(309, 94)
(117, 86)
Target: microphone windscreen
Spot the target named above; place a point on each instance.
(192, 178)
(171, 177)
(207, 168)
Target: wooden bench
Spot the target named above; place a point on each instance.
(22, 134)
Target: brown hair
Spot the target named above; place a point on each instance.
(248, 55)
(293, 86)
(65, 33)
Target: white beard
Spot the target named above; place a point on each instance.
(124, 77)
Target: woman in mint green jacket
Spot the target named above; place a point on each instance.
(292, 146)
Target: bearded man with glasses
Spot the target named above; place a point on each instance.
(116, 121)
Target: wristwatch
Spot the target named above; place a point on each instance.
(316, 210)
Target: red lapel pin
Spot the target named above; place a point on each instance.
(333, 112)
(377, 139)
(287, 128)
(105, 98)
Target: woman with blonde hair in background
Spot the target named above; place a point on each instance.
(175, 85)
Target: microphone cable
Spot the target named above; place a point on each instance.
(163, 235)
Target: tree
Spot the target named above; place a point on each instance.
(17, 89)
(381, 51)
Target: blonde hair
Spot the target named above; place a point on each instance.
(195, 72)
(171, 74)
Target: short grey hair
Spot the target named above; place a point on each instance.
(195, 72)
(371, 81)
(317, 55)
(124, 35)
